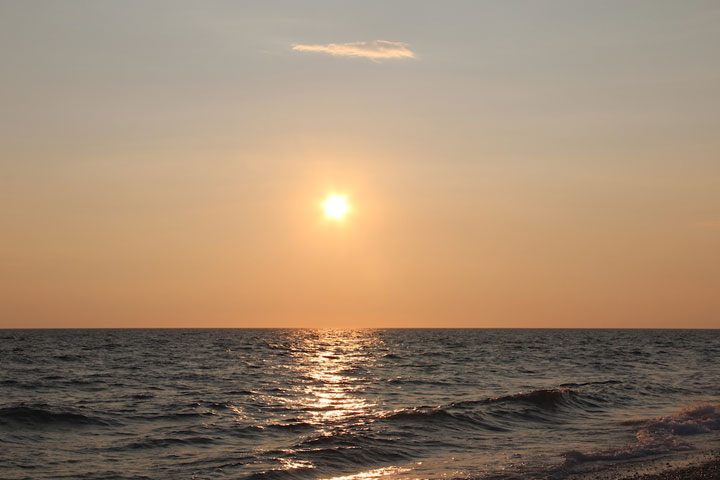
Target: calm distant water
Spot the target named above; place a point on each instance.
(353, 404)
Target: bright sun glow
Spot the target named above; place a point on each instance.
(336, 207)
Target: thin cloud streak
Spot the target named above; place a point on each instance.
(376, 50)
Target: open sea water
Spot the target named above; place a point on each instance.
(351, 404)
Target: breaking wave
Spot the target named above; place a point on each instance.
(656, 436)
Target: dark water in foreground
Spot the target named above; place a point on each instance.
(353, 404)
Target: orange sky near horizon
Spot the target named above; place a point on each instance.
(165, 165)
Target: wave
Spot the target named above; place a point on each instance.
(692, 420)
(301, 471)
(545, 398)
(341, 448)
(656, 436)
(68, 358)
(242, 392)
(44, 416)
(441, 416)
(166, 442)
(585, 384)
(478, 414)
(143, 396)
(175, 416)
(298, 426)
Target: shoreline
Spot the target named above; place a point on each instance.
(701, 462)
(698, 466)
(707, 470)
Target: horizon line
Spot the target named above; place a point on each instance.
(357, 328)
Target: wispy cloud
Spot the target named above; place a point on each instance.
(376, 50)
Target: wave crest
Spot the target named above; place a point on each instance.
(658, 435)
(44, 416)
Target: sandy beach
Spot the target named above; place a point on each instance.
(706, 471)
(703, 466)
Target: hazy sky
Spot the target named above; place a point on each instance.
(508, 163)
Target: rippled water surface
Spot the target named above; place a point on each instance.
(350, 404)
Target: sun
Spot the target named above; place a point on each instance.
(336, 207)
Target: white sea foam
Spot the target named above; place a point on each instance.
(656, 436)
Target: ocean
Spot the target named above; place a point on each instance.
(352, 404)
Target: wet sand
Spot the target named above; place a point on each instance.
(709, 470)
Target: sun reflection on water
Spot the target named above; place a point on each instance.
(331, 391)
(330, 366)
(373, 474)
